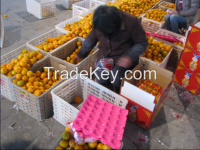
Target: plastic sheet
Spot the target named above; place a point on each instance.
(188, 96)
(79, 136)
(141, 139)
(161, 143)
(179, 116)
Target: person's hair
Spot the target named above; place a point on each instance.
(106, 18)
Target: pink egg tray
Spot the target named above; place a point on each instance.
(164, 37)
(102, 121)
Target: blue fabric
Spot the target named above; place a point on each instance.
(174, 22)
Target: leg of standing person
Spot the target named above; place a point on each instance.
(118, 73)
(177, 21)
(167, 22)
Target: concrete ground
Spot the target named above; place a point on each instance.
(166, 132)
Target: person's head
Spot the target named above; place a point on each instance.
(107, 19)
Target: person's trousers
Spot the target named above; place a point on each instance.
(114, 78)
(174, 22)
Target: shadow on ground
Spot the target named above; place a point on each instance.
(17, 145)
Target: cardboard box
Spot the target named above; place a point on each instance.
(191, 60)
(142, 110)
(193, 40)
(187, 79)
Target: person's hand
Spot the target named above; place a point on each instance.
(125, 62)
(174, 12)
(171, 12)
(76, 59)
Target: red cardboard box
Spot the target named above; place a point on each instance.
(187, 79)
(193, 40)
(191, 60)
(142, 110)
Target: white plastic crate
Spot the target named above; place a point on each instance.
(64, 94)
(177, 50)
(163, 7)
(2, 33)
(38, 107)
(85, 13)
(41, 8)
(61, 25)
(40, 39)
(151, 25)
(68, 3)
(66, 50)
(6, 86)
(163, 64)
(84, 6)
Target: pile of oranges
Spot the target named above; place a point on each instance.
(179, 43)
(70, 58)
(82, 27)
(156, 14)
(54, 42)
(134, 7)
(23, 61)
(156, 50)
(68, 141)
(170, 6)
(36, 83)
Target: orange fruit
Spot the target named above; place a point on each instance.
(22, 63)
(46, 80)
(39, 56)
(38, 73)
(32, 79)
(79, 43)
(47, 86)
(31, 89)
(53, 78)
(155, 52)
(106, 147)
(43, 75)
(77, 99)
(50, 73)
(4, 65)
(24, 87)
(164, 53)
(28, 66)
(99, 146)
(25, 60)
(20, 83)
(18, 69)
(15, 81)
(10, 66)
(63, 143)
(4, 71)
(24, 71)
(36, 83)
(41, 88)
(72, 142)
(29, 84)
(25, 78)
(92, 145)
(168, 48)
(37, 92)
(18, 76)
(29, 74)
(85, 147)
(78, 147)
(59, 148)
(50, 82)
